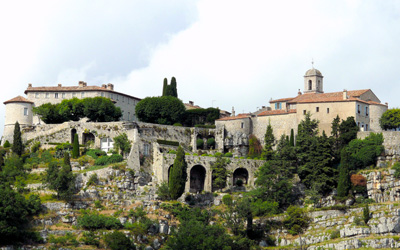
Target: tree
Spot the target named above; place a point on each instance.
(67, 160)
(269, 143)
(273, 183)
(219, 172)
(165, 87)
(174, 91)
(122, 142)
(61, 179)
(348, 130)
(344, 175)
(49, 113)
(161, 110)
(118, 241)
(18, 146)
(15, 212)
(75, 147)
(291, 138)
(71, 109)
(101, 109)
(296, 221)
(178, 175)
(390, 119)
(366, 214)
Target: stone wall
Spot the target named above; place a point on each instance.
(391, 141)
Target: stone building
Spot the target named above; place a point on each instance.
(286, 113)
(20, 108)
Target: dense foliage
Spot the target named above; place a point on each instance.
(170, 90)
(269, 143)
(390, 119)
(17, 147)
(96, 109)
(61, 179)
(200, 116)
(161, 110)
(219, 172)
(121, 141)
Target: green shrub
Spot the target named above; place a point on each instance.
(90, 238)
(83, 160)
(101, 161)
(170, 143)
(396, 167)
(35, 147)
(227, 200)
(98, 221)
(335, 234)
(204, 126)
(163, 191)
(93, 180)
(7, 144)
(261, 208)
(217, 154)
(115, 158)
(229, 154)
(177, 124)
(97, 204)
(66, 240)
(239, 182)
(199, 143)
(171, 151)
(210, 142)
(118, 241)
(95, 153)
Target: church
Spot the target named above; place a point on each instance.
(285, 114)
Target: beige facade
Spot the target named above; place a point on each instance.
(42, 95)
(286, 113)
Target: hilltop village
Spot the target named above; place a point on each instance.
(315, 170)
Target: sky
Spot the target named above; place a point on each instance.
(223, 53)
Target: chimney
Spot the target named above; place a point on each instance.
(233, 111)
(345, 94)
(81, 84)
(29, 85)
(191, 103)
(104, 86)
(59, 85)
(299, 92)
(387, 104)
(110, 86)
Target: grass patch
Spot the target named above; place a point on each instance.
(44, 198)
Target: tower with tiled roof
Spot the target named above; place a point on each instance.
(18, 109)
(313, 81)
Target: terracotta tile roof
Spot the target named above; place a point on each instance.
(190, 106)
(277, 112)
(239, 116)
(282, 100)
(73, 89)
(18, 99)
(353, 95)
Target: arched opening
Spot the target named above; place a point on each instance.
(210, 142)
(319, 85)
(87, 137)
(169, 172)
(309, 85)
(240, 174)
(73, 132)
(197, 178)
(199, 142)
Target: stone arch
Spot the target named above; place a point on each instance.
(73, 132)
(197, 178)
(169, 172)
(241, 174)
(87, 137)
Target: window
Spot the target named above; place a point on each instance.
(102, 94)
(242, 125)
(26, 111)
(82, 94)
(63, 95)
(123, 99)
(327, 110)
(47, 95)
(318, 85)
(37, 95)
(317, 109)
(366, 127)
(309, 85)
(304, 112)
(358, 109)
(128, 100)
(56, 95)
(74, 94)
(278, 105)
(129, 115)
(366, 111)
(117, 97)
(146, 149)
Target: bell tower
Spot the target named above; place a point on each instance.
(313, 81)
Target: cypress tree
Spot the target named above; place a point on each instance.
(344, 178)
(75, 148)
(17, 146)
(165, 87)
(269, 140)
(67, 161)
(178, 175)
(366, 214)
(291, 142)
(174, 91)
